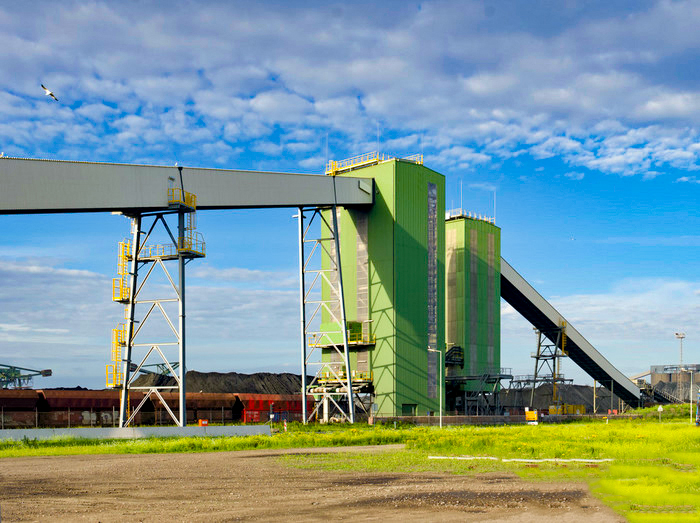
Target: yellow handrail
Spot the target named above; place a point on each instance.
(192, 242)
(354, 338)
(123, 257)
(361, 338)
(157, 251)
(415, 158)
(113, 375)
(177, 196)
(342, 376)
(334, 166)
(120, 289)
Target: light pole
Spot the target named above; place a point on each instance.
(442, 379)
(680, 336)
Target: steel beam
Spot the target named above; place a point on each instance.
(43, 186)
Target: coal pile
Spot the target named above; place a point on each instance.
(569, 394)
(258, 383)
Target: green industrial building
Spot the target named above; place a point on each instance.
(473, 307)
(393, 259)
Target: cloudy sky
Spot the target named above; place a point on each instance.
(575, 123)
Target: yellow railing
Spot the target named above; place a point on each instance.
(354, 338)
(326, 377)
(113, 370)
(120, 289)
(415, 158)
(361, 338)
(192, 242)
(157, 251)
(118, 341)
(563, 338)
(334, 166)
(177, 196)
(123, 257)
(113, 375)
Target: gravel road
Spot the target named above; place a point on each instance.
(256, 486)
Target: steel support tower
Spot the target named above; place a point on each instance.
(321, 293)
(143, 258)
(551, 348)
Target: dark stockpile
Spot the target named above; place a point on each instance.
(569, 394)
(258, 383)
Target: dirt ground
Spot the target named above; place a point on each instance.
(256, 486)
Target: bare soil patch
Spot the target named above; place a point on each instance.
(255, 486)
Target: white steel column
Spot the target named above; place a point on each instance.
(181, 313)
(343, 319)
(133, 276)
(302, 314)
(328, 381)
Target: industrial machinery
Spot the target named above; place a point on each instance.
(12, 377)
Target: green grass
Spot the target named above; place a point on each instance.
(298, 437)
(655, 475)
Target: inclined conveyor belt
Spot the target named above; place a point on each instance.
(535, 309)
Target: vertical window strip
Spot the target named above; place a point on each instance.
(432, 289)
(362, 270)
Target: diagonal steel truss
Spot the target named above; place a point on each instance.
(321, 293)
(146, 259)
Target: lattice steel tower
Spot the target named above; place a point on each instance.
(551, 348)
(130, 354)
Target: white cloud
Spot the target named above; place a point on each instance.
(242, 275)
(484, 186)
(573, 175)
(496, 88)
(486, 84)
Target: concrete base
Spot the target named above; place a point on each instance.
(134, 432)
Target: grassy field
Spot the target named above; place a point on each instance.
(653, 474)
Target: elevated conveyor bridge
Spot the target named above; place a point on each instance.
(43, 186)
(535, 309)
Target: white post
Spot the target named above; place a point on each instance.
(442, 378)
(302, 315)
(690, 398)
(181, 318)
(442, 382)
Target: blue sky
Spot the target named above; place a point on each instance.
(581, 117)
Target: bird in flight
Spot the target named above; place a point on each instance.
(49, 93)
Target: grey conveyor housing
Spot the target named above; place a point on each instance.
(43, 186)
(535, 309)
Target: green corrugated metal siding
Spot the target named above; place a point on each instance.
(397, 249)
(473, 294)
(411, 289)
